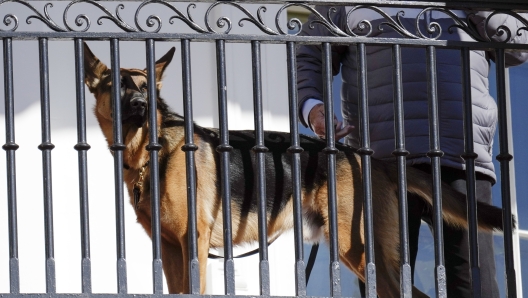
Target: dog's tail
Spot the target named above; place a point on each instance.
(454, 204)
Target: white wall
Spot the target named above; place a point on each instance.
(100, 166)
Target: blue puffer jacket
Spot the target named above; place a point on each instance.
(380, 85)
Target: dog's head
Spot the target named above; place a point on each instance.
(133, 86)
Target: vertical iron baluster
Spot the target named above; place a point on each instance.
(401, 153)
(469, 157)
(260, 151)
(117, 147)
(153, 147)
(435, 153)
(224, 149)
(295, 150)
(10, 147)
(365, 151)
(82, 147)
(504, 158)
(331, 151)
(189, 149)
(46, 146)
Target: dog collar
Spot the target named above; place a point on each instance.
(138, 186)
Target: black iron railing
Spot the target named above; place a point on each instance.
(207, 29)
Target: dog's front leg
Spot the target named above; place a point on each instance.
(175, 266)
(203, 255)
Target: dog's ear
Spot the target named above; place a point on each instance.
(94, 69)
(162, 64)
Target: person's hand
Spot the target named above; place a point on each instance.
(317, 122)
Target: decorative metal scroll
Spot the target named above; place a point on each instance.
(83, 19)
(364, 28)
(11, 19)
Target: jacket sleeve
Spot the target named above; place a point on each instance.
(309, 57)
(503, 20)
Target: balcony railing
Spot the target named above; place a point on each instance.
(257, 23)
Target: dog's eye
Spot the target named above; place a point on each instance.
(144, 87)
(123, 85)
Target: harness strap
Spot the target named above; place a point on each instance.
(246, 254)
(309, 265)
(311, 261)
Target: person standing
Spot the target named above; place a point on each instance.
(381, 114)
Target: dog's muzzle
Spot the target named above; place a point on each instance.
(136, 111)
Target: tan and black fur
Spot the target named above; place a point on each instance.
(173, 191)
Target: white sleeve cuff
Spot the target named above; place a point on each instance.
(307, 107)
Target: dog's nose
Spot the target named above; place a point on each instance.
(138, 102)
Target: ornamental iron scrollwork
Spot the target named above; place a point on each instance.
(225, 21)
(326, 22)
(8, 19)
(470, 28)
(364, 28)
(434, 28)
(293, 23)
(83, 19)
(45, 18)
(363, 25)
(152, 20)
(501, 30)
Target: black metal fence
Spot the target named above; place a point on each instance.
(217, 31)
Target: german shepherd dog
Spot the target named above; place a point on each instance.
(173, 193)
